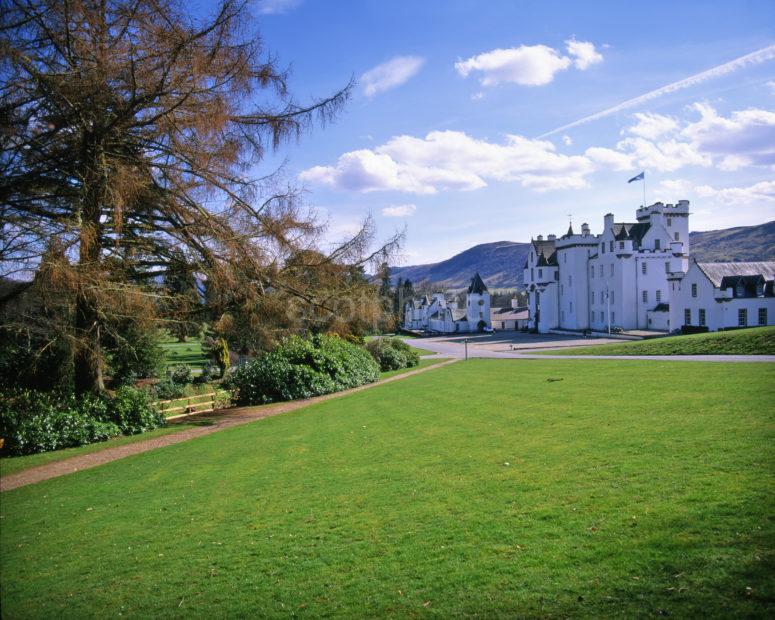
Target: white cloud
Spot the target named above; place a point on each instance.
(276, 7)
(752, 195)
(652, 126)
(390, 74)
(609, 159)
(665, 156)
(567, 140)
(527, 65)
(677, 187)
(771, 85)
(754, 58)
(746, 137)
(452, 160)
(477, 96)
(584, 53)
(399, 210)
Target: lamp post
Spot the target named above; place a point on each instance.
(465, 341)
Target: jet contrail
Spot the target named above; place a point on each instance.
(754, 58)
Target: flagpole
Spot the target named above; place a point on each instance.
(644, 191)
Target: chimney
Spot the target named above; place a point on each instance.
(608, 221)
(540, 238)
(585, 229)
(552, 237)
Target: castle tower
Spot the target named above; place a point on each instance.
(478, 304)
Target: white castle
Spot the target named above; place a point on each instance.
(633, 276)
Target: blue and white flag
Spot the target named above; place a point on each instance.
(639, 177)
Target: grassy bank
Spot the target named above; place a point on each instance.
(753, 341)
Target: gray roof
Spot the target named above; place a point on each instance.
(458, 315)
(545, 252)
(477, 285)
(507, 314)
(716, 272)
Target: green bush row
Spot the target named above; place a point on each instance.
(392, 353)
(301, 368)
(32, 421)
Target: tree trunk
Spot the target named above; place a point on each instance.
(88, 355)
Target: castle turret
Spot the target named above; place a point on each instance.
(478, 304)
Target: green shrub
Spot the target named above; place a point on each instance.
(392, 353)
(131, 410)
(32, 421)
(301, 368)
(181, 374)
(137, 354)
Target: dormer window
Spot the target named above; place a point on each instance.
(621, 245)
(740, 289)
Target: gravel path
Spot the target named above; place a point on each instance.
(220, 420)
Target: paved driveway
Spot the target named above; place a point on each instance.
(519, 345)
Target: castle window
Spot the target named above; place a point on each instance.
(562, 313)
(760, 289)
(602, 317)
(643, 268)
(762, 316)
(601, 271)
(742, 317)
(687, 316)
(694, 290)
(613, 317)
(657, 244)
(621, 245)
(531, 274)
(676, 236)
(592, 271)
(602, 247)
(669, 222)
(571, 307)
(645, 295)
(740, 289)
(612, 296)
(701, 319)
(659, 296)
(611, 246)
(593, 297)
(612, 269)
(540, 273)
(667, 267)
(565, 258)
(570, 280)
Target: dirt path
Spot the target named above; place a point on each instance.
(220, 420)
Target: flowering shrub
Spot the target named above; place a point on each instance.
(301, 368)
(32, 421)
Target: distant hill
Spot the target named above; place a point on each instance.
(500, 263)
(744, 243)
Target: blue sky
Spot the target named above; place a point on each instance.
(442, 133)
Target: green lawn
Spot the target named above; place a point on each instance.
(12, 464)
(625, 489)
(189, 353)
(422, 364)
(753, 341)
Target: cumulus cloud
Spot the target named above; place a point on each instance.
(609, 158)
(664, 156)
(452, 160)
(746, 137)
(390, 74)
(584, 54)
(567, 140)
(757, 193)
(652, 126)
(399, 210)
(527, 65)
